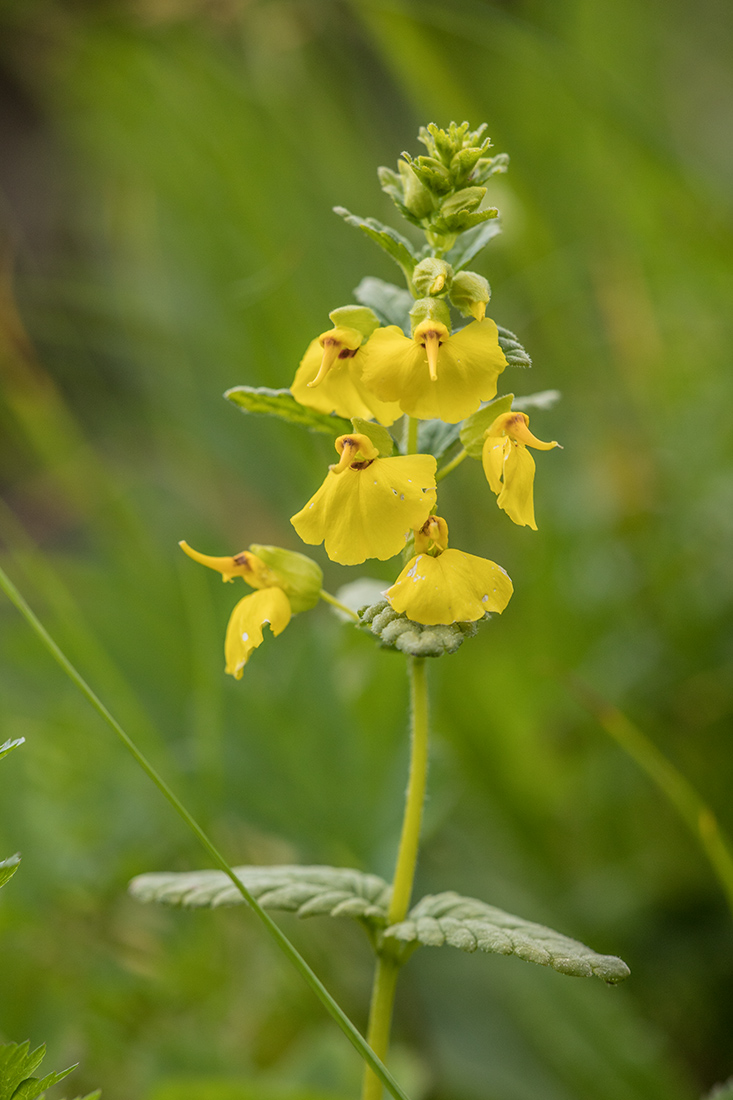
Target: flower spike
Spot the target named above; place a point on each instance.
(510, 468)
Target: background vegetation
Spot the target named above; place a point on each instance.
(168, 176)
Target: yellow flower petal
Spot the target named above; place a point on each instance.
(452, 588)
(244, 632)
(246, 565)
(369, 511)
(517, 494)
(341, 391)
(468, 365)
(510, 468)
(516, 426)
(494, 453)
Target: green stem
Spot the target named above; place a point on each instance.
(413, 425)
(385, 978)
(450, 466)
(337, 603)
(351, 1033)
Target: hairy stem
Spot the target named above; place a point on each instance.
(413, 425)
(385, 978)
(351, 1033)
(328, 598)
(450, 466)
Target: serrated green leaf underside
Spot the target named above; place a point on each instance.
(471, 925)
(281, 403)
(435, 437)
(515, 354)
(388, 239)
(469, 244)
(17, 1063)
(8, 867)
(306, 891)
(8, 746)
(391, 303)
(543, 399)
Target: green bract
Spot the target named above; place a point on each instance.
(300, 578)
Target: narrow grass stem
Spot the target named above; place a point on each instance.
(450, 466)
(328, 598)
(385, 978)
(352, 1034)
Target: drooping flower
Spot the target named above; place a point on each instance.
(329, 376)
(442, 586)
(435, 374)
(286, 583)
(509, 467)
(367, 506)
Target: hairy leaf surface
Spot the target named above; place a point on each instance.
(281, 403)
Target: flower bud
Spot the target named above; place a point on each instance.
(417, 198)
(430, 309)
(300, 578)
(432, 277)
(470, 293)
(361, 318)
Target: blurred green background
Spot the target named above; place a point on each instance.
(168, 173)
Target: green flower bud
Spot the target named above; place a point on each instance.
(300, 578)
(430, 309)
(360, 318)
(432, 277)
(417, 198)
(470, 293)
(468, 198)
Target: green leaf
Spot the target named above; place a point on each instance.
(470, 244)
(472, 925)
(8, 867)
(379, 436)
(8, 746)
(306, 891)
(435, 437)
(544, 399)
(17, 1063)
(391, 303)
(393, 243)
(515, 354)
(474, 426)
(281, 403)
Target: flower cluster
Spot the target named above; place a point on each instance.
(404, 356)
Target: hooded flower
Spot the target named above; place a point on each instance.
(329, 378)
(447, 586)
(434, 375)
(286, 583)
(509, 467)
(367, 506)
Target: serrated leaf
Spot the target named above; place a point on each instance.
(472, 925)
(33, 1087)
(515, 354)
(8, 867)
(435, 437)
(474, 426)
(544, 399)
(306, 891)
(281, 403)
(17, 1063)
(379, 436)
(470, 244)
(391, 303)
(388, 239)
(8, 746)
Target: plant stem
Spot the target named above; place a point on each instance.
(450, 466)
(413, 425)
(328, 598)
(385, 978)
(351, 1033)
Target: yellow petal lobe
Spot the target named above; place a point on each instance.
(515, 425)
(340, 389)
(369, 509)
(244, 633)
(453, 588)
(246, 565)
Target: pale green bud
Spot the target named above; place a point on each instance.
(361, 318)
(417, 198)
(300, 578)
(432, 277)
(470, 293)
(430, 309)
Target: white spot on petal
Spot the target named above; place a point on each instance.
(245, 637)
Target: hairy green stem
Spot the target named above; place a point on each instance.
(450, 466)
(352, 1034)
(413, 425)
(328, 598)
(387, 970)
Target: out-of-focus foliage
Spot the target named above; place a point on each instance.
(168, 177)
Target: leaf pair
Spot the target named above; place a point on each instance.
(445, 918)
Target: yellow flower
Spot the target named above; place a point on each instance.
(329, 378)
(368, 505)
(435, 375)
(447, 586)
(509, 467)
(286, 583)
